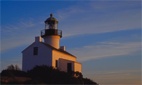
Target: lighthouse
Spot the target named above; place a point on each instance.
(46, 50)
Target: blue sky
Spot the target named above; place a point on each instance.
(104, 35)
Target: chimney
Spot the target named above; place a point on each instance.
(38, 39)
(63, 48)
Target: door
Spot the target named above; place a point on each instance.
(69, 67)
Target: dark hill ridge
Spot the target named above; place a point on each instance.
(43, 75)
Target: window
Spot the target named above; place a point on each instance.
(35, 51)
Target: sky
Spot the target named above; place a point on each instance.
(105, 35)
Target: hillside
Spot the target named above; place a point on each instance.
(43, 75)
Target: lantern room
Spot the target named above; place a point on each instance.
(51, 23)
(51, 27)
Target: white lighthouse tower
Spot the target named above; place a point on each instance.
(49, 52)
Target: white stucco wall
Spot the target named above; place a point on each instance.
(56, 55)
(44, 56)
(63, 59)
(77, 67)
(63, 64)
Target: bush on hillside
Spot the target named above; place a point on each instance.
(45, 75)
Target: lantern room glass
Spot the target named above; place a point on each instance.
(51, 26)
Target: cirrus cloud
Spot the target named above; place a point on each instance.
(106, 49)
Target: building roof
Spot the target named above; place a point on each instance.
(28, 47)
(58, 49)
(70, 60)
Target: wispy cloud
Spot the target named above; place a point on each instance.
(100, 17)
(106, 49)
(20, 33)
(123, 77)
(20, 26)
(11, 43)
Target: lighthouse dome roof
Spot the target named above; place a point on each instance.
(51, 19)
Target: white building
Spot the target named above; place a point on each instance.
(49, 52)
